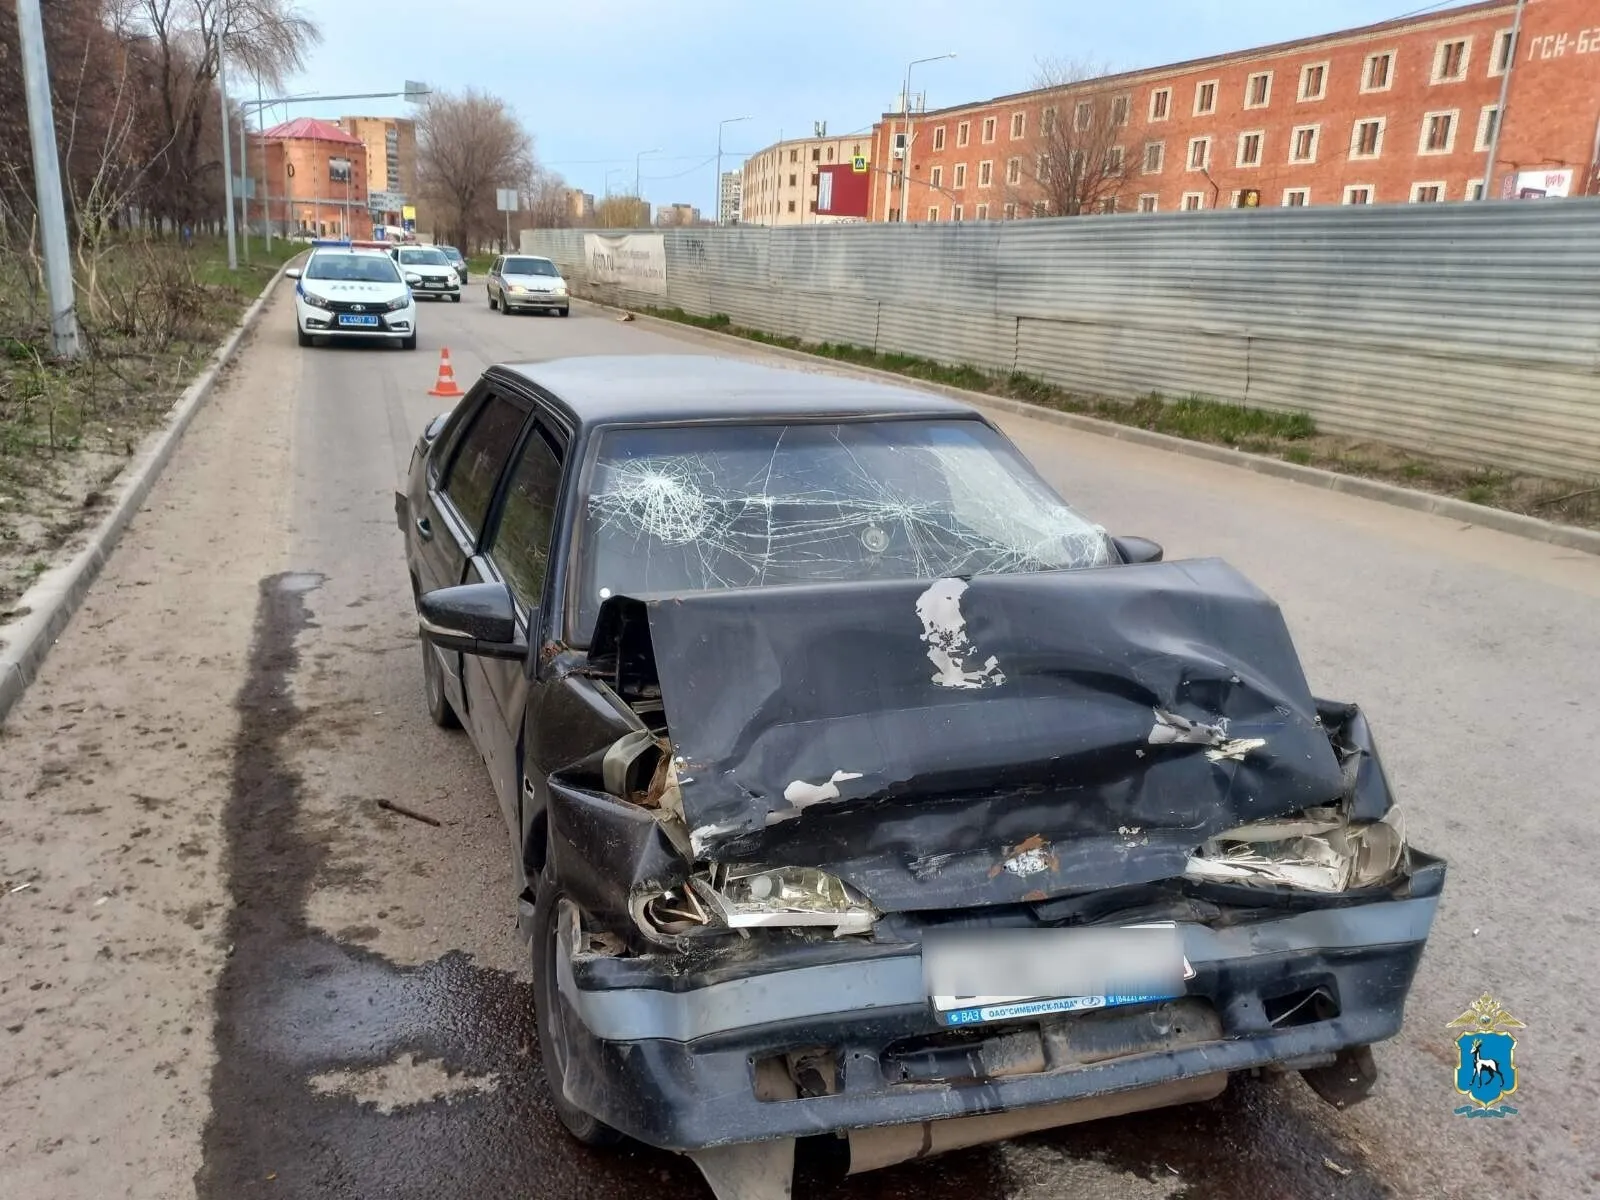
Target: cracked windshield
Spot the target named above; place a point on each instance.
(798, 602)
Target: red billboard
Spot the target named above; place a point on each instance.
(844, 190)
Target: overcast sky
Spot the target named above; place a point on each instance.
(596, 81)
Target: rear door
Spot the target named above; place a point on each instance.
(456, 508)
(516, 552)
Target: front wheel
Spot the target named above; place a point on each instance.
(456, 299)
(552, 1015)
(409, 343)
(566, 312)
(301, 336)
(493, 303)
(440, 711)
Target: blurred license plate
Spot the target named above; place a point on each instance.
(1094, 968)
(364, 322)
(434, 283)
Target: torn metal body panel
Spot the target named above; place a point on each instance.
(837, 742)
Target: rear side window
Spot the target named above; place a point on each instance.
(484, 448)
(521, 547)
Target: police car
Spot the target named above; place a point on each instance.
(353, 290)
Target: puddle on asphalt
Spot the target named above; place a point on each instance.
(340, 1074)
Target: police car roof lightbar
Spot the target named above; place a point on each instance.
(344, 242)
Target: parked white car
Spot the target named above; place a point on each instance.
(428, 271)
(347, 292)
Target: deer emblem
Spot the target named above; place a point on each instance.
(1484, 1069)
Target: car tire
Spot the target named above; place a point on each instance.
(301, 336)
(505, 309)
(456, 299)
(550, 1014)
(409, 343)
(493, 303)
(440, 711)
(566, 312)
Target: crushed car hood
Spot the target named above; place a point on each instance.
(1003, 738)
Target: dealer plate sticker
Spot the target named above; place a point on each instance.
(976, 1010)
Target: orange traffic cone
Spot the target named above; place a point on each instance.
(446, 383)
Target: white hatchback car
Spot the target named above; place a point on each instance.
(353, 293)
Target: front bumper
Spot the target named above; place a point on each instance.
(319, 322)
(677, 1062)
(534, 300)
(425, 290)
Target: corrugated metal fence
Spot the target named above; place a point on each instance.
(1470, 331)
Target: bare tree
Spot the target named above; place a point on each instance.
(544, 203)
(622, 212)
(1082, 161)
(469, 146)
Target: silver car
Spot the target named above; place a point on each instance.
(523, 281)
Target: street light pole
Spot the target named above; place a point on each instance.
(638, 159)
(905, 98)
(720, 124)
(1500, 112)
(47, 182)
(227, 151)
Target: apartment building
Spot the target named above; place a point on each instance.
(729, 192)
(390, 180)
(1400, 112)
(780, 183)
(580, 206)
(674, 215)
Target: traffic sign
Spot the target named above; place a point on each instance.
(858, 164)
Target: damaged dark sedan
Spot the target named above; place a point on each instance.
(858, 787)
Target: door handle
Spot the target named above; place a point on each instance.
(425, 529)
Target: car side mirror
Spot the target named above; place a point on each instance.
(292, 273)
(474, 618)
(1138, 550)
(413, 280)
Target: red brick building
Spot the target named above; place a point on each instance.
(1398, 112)
(311, 177)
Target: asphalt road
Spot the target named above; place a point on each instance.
(234, 974)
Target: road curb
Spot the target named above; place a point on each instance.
(1569, 536)
(55, 597)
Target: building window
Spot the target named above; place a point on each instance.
(791, 206)
(813, 179)
(983, 212)
(1378, 76)
(1076, 160)
(955, 212)
(1358, 193)
(1450, 60)
(856, 153)
(1438, 133)
(1314, 81)
(1199, 153)
(1047, 122)
(1205, 98)
(1083, 115)
(1194, 201)
(1041, 209)
(1250, 149)
(985, 173)
(1009, 212)
(988, 129)
(1119, 111)
(830, 153)
(1148, 202)
(1366, 139)
(794, 156)
(1014, 170)
(1019, 123)
(938, 138)
(1475, 189)
(1296, 197)
(1504, 51)
(963, 133)
(792, 178)
(936, 176)
(933, 212)
(816, 154)
(1042, 169)
(1160, 104)
(1427, 193)
(1303, 143)
(1155, 154)
(1258, 90)
(961, 175)
(1488, 119)
(1115, 157)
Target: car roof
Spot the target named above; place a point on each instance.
(661, 388)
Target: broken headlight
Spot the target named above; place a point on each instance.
(730, 897)
(1320, 850)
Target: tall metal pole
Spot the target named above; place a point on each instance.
(47, 183)
(720, 124)
(244, 173)
(227, 154)
(1505, 95)
(905, 174)
(637, 195)
(266, 176)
